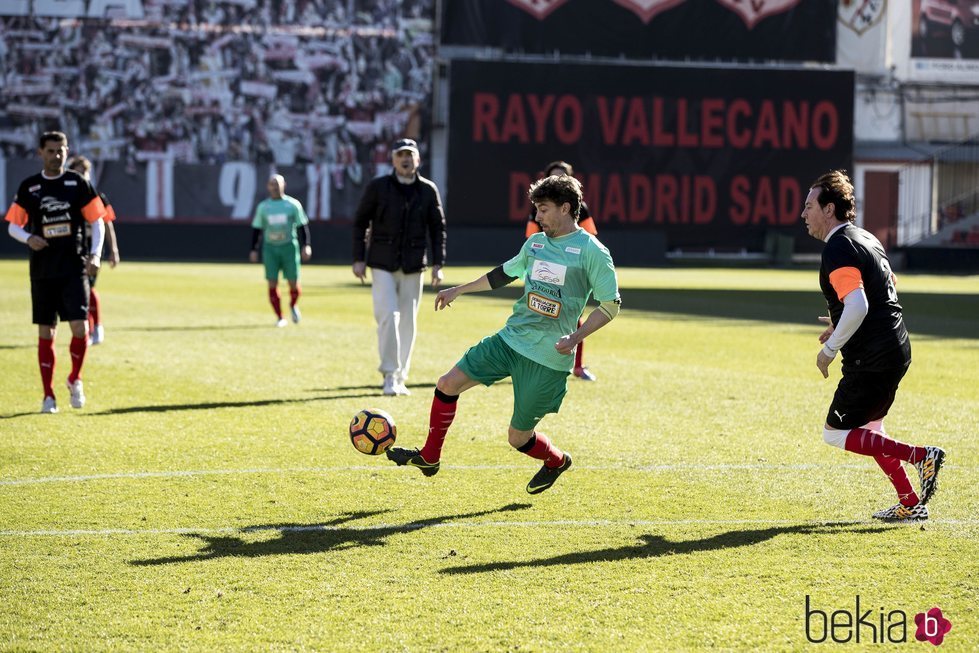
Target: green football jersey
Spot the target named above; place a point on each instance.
(278, 220)
(559, 274)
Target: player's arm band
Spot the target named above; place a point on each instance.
(855, 308)
(304, 236)
(18, 233)
(256, 236)
(610, 308)
(498, 278)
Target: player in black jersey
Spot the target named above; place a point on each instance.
(48, 214)
(96, 331)
(865, 324)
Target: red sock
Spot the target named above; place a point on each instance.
(439, 421)
(78, 347)
(873, 443)
(541, 448)
(898, 476)
(45, 360)
(94, 319)
(275, 301)
(294, 295)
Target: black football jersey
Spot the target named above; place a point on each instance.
(57, 210)
(882, 341)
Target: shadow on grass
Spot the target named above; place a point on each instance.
(944, 315)
(199, 327)
(209, 405)
(312, 538)
(654, 546)
(372, 386)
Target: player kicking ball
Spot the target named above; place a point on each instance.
(866, 325)
(561, 267)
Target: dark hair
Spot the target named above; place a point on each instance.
(80, 164)
(836, 188)
(558, 190)
(564, 166)
(57, 137)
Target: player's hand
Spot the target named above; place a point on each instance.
(566, 344)
(360, 270)
(822, 362)
(824, 336)
(446, 297)
(307, 253)
(93, 264)
(36, 243)
(437, 276)
(113, 258)
(253, 256)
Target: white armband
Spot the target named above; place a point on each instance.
(98, 237)
(855, 308)
(18, 233)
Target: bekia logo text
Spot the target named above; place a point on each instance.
(879, 626)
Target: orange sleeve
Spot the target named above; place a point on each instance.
(588, 224)
(845, 281)
(110, 213)
(16, 215)
(94, 209)
(532, 228)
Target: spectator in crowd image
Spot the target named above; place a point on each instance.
(398, 215)
(96, 331)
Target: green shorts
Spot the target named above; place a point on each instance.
(281, 257)
(537, 390)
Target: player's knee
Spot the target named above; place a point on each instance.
(835, 437)
(518, 438)
(448, 384)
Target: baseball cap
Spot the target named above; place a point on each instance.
(404, 144)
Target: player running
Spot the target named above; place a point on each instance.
(96, 332)
(561, 268)
(282, 226)
(586, 222)
(48, 214)
(866, 324)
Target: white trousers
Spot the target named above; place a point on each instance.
(396, 296)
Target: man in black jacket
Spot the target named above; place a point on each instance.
(398, 214)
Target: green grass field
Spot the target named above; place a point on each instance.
(208, 496)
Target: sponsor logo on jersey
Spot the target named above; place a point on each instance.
(57, 230)
(543, 305)
(51, 205)
(573, 250)
(277, 218)
(544, 288)
(536, 245)
(33, 189)
(70, 182)
(549, 272)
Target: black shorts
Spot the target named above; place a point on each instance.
(864, 396)
(64, 297)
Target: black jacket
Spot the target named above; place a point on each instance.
(399, 216)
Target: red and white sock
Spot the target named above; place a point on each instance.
(439, 420)
(94, 310)
(78, 347)
(898, 477)
(541, 448)
(294, 295)
(873, 443)
(45, 360)
(275, 301)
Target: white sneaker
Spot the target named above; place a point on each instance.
(49, 405)
(77, 394)
(97, 335)
(390, 387)
(296, 315)
(399, 386)
(281, 323)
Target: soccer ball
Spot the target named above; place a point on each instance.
(372, 431)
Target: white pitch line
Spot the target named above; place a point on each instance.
(394, 528)
(681, 467)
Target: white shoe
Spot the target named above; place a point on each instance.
(296, 315)
(281, 323)
(97, 335)
(49, 405)
(389, 388)
(399, 386)
(77, 394)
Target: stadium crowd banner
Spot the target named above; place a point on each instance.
(716, 157)
(787, 30)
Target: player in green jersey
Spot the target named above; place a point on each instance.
(561, 268)
(282, 226)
